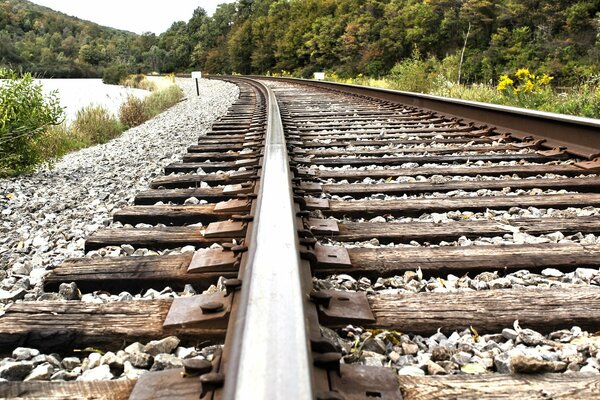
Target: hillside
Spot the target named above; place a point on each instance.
(351, 37)
(53, 44)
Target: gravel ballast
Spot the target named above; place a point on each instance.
(47, 215)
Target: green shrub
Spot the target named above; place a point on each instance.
(139, 81)
(114, 74)
(59, 140)
(412, 74)
(133, 112)
(161, 100)
(25, 113)
(96, 124)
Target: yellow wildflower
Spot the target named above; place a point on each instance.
(504, 82)
(528, 86)
(523, 73)
(544, 79)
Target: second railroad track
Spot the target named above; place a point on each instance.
(360, 244)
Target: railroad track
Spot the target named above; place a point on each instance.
(349, 224)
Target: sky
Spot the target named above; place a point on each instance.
(132, 15)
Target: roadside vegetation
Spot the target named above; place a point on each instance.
(521, 88)
(32, 127)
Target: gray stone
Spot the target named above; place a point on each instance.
(100, 373)
(461, 358)
(531, 337)
(410, 348)
(372, 361)
(449, 366)
(8, 296)
(406, 360)
(16, 370)
(115, 363)
(435, 369)
(42, 372)
(394, 356)
(69, 291)
(165, 361)
(185, 352)
(332, 337)
(552, 272)
(63, 375)
(24, 353)
(510, 334)
(502, 363)
(440, 353)
(375, 345)
(141, 360)
(528, 365)
(71, 362)
(411, 371)
(128, 249)
(131, 372)
(166, 345)
(135, 347)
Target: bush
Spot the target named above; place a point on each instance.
(133, 112)
(161, 100)
(96, 125)
(25, 113)
(59, 140)
(412, 74)
(114, 74)
(139, 81)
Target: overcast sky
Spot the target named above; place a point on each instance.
(133, 15)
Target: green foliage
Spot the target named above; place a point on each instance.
(135, 112)
(138, 81)
(51, 44)
(161, 100)
(114, 74)
(132, 112)
(96, 125)
(25, 113)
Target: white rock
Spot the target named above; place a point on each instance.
(101, 373)
(411, 370)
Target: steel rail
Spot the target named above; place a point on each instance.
(269, 351)
(580, 136)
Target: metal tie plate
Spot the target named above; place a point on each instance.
(323, 226)
(359, 382)
(313, 203)
(214, 260)
(225, 229)
(187, 312)
(345, 308)
(232, 205)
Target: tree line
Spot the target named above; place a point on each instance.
(348, 37)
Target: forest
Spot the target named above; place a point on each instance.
(346, 37)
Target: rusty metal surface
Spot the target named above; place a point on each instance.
(360, 382)
(345, 308)
(225, 229)
(270, 318)
(327, 257)
(214, 260)
(322, 226)
(188, 311)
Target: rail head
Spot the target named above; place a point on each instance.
(269, 350)
(580, 136)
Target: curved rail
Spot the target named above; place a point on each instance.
(269, 352)
(580, 136)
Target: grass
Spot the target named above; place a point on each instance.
(95, 125)
(583, 101)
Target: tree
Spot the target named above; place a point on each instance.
(25, 113)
